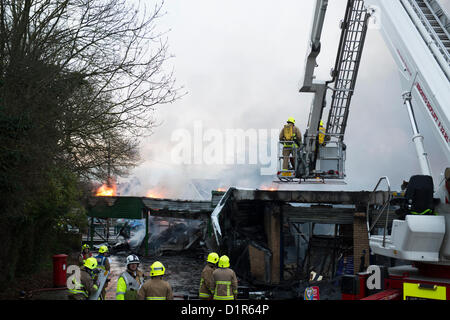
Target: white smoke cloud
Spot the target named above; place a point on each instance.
(241, 62)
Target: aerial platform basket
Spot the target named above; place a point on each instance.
(294, 163)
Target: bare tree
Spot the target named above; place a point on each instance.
(79, 80)
(104, 63)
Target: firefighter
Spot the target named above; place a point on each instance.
(130, 281)
(84, 254)
(321, 136)
(156, 288)
(290, 133)
(206, 290)
(225, 281)
(102, 258)
(103, 265)
(85, 285)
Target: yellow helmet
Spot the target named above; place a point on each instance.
(157, 269)
(213, 257)
(321, 123)
(291, 119)
(90, 263)
(103, 249)
(224, 262)
(85, 246)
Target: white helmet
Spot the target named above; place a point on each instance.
(132, 258)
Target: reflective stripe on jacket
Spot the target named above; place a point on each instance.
(155, 298)
(206, 289)
(225, 284)
(155, 289)
(128, 286)
(296, 137)
(84, 287)
(321, 135)
(78, 289)
(101, 262)
(427, 211)
(222, 296)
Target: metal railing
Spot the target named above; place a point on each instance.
(293, 155)
(383, 208)
(432, 30)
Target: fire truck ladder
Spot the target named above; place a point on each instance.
(434, 26)
(354, 29)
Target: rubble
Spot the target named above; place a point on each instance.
(276, 239)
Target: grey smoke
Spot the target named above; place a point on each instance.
(241, 63)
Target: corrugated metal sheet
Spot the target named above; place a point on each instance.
(135, 207)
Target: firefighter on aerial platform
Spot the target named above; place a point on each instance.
(156, 288)
(225, 281)
(206, 290)
(290, 133)
(321, 136)
(84, 254)
(85, 285)
(130, 281)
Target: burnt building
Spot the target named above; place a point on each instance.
(278, 236)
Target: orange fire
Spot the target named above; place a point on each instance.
(153, 193)
(222, 189)
(107, 189)
(268, 188)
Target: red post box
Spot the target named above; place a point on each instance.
(59, 270)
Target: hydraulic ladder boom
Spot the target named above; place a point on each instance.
(417, 35)
(354, 28)
(327, 160)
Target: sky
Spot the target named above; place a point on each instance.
(241, 63)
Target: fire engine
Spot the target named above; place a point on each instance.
(417, 33)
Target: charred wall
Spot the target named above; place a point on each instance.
(264, 234)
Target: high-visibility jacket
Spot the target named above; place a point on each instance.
(225, 284)
(103, 262)
(83, 287)
(321, 135)
(155, 289)
(425, 212)
(206, 290)
(128, 285)
(82, 257)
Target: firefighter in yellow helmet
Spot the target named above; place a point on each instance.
(103, 265)
(84, 254)
(206, 290)
(130, 281)
(156, 288)
(225, 281)
(290, 132)
(84, 285)
(102, 258)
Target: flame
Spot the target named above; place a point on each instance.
(108, 189)
(268, 188)
(222, 189)
(154, 193)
